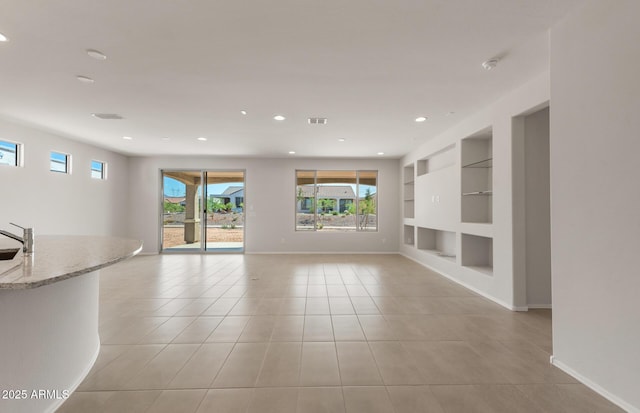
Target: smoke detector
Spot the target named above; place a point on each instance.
(490, 64)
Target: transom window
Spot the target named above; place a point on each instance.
(336, 201)
(60, 162)
(10, 153)
(98, 170)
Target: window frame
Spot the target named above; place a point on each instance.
(315, 200)
(19, 151)
(67, 162)
(103, 171)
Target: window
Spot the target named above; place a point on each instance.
(336, 201)
(10, 153)
(60, 162)
(98, 170)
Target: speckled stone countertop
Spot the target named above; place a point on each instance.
(60, 257)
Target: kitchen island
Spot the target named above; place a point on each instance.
(49, 318)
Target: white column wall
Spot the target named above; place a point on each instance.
(595, 197)
(270, 201)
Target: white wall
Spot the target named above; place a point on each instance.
(500, 286)
(55, 203)
(270, 203)
(595, 196)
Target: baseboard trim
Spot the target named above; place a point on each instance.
(539, 306)
(467, 286)
(594, 386)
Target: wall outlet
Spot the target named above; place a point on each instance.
(282, 241)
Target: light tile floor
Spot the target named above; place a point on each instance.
(315, 333)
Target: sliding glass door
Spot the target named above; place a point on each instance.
(202, 211)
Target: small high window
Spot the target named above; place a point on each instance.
(60, 162)
(10, 153)
(98, 170)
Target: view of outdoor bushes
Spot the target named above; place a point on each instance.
(336, 200)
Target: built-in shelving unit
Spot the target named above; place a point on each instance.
(436, 161)
(477, 253)
(409, 235)
(409, 191)
(437, 242)
(448, 206)
(477, 177)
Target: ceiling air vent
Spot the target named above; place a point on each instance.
(107, 116)
(317, 121)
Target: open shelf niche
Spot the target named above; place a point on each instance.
(409, 235)
(440, 243)
(409, 191)
(477, 253)
(477, 177)
(438, 160)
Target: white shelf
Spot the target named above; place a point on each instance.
(441, 255)
(477, 178)
(477, 253)
(483, 270)
(409, 235)
(408, 194)
(483, 193)
(437, 242)
(484, 163)
(481, 229)
(409, 208)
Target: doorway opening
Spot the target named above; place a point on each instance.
(203, 211)
(532, 209)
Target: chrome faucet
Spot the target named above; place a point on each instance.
(26, 239)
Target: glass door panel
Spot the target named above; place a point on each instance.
(224, 213)
(182, 210)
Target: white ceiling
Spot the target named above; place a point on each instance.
(185, 69)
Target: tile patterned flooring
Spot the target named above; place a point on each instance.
(315, 333)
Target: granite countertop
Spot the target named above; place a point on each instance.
(60, 257)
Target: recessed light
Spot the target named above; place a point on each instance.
(85, 79)
(380, 153)
(243, 112)
(3, 38)
(279, 117)
(127, 138)
(292, 152)
(421, 118)
(202, 139)
(450, 113)
(341, 140)
(166, 138)
(96, 54)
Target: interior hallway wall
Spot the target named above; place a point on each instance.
(595, 196)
